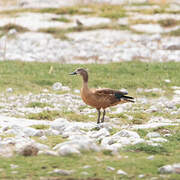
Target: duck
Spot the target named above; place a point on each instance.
(101, 98)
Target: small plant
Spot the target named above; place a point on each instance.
(10, 26)
(142, 147)
(167, 22)
(175, 32)
(44, 115)
(40, 126)
(140, 118)
(38, 104)
(61, 19)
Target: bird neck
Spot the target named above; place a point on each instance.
(85, 79)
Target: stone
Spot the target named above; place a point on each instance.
(167, 169)
(150, 157)
(84, 173)
(109, 168)
(9, 90)
(28, 150)
(153, 135)
(159, 139)
(63, 172)
(48, 152)
(57, 86)
(14, 166)
(67, 150)
(127, 133)
(121, 172)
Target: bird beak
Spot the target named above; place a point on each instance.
(73, 73)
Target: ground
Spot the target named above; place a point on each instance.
(46, 130)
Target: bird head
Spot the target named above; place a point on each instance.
(79, 71)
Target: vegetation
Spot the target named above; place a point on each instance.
(33, 77)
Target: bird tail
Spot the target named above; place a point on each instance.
(124, 97)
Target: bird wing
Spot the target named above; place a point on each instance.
(107, 91)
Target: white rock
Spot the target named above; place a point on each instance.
(160, 140)
(57, 86)
(9, 90)
(121, 172)
(12, 32)
(153, 135)
(60, 124)
(43, 138)
(84, 173)
(14, 166)
(167, 80)
(63, 172)
(67, 150)
(86, 167)
(99, 134)
(109, 168)
(127, 133)
(48, 152)
(150, 157)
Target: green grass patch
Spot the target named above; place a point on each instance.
(10, 26)
(38, 104)
(140, 118)
(62, 33)
(25, 77)
(51, 141)
(142, 147)
(168, 22)
(61, 19)
(44, 115)
(40, 126)
(175, 33)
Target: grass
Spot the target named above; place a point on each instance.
(61, 19)
(175, 33)
(40, 126)
(51, 141)
(51, 115)
(38, 104)
(10, 26)
(25, 77)
(44, 115)
(62, 33)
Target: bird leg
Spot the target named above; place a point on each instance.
(104, 113)
(99, 115)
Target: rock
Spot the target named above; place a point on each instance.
(126, 133)
(84, 173)
(63, 172)
(9, 90)
(12, 32)
(28, 150)
(75, 146)
(160, 140)
(28, 131)
(150, 157)
(67, 150)
(13, 166)
(43, 138)
(99, 134)
(59, 125)
(121, 172)
(86, 167)
(48, 152)
(6, 150)
(109, 168)
(167, 169)
(141, 176)
(153, 135)
(57, 86)
(167, 80)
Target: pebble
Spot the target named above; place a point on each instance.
(121, 172)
